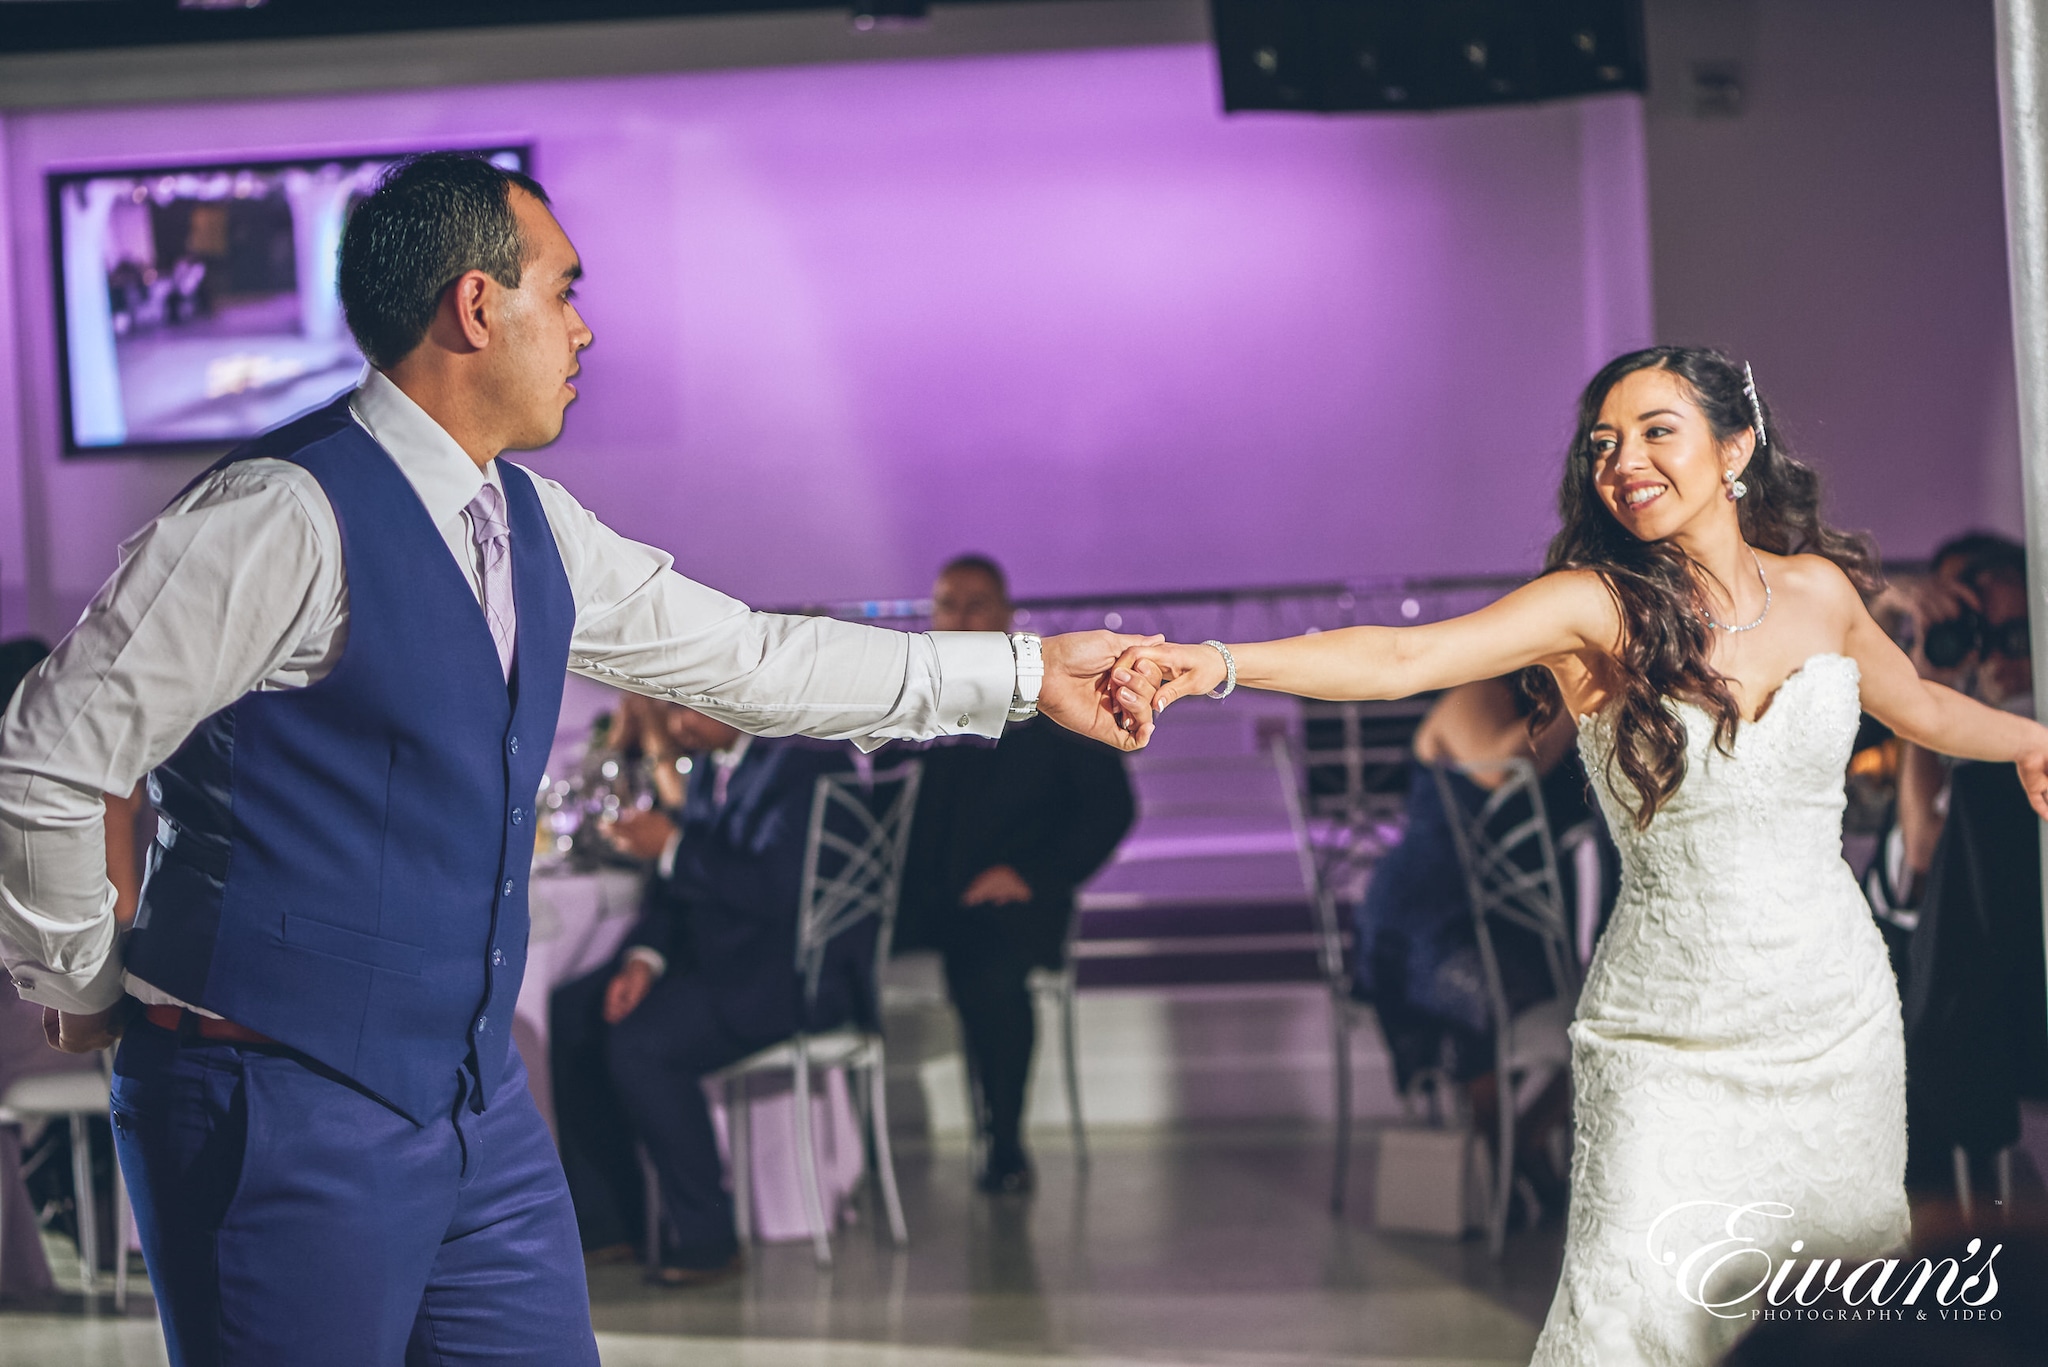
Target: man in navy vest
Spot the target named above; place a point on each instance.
(338, 655)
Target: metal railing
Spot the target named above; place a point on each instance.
(1238, 614)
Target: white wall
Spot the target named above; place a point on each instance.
(1845, 233)
(14, 575)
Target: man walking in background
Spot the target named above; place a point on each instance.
(339, 654)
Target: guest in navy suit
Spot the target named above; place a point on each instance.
(339, 656)
(709, 973)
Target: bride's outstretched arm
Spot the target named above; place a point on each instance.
(1937, 717)
(1554, 617)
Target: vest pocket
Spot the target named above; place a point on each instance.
(339, 942)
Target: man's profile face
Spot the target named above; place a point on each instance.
(530, 377)
(969, 600)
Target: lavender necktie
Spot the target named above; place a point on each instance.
(494, 544)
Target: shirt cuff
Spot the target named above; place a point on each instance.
(977, 680)
(655, 960)
(73, 993)
(665, 864)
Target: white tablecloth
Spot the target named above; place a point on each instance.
(579, 921)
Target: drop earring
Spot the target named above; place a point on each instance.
(1736, 488)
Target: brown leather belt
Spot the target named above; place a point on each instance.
(180, 1021)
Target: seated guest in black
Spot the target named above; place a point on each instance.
(709, 973)
(1003, 836)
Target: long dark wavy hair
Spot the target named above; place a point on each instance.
(1660, 590)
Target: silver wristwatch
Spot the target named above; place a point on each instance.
(1030, 674)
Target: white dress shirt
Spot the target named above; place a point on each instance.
(238, 586)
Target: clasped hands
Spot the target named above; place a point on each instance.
(1150, 674)
(1114, 687)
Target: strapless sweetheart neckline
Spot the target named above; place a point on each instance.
(1770, 703)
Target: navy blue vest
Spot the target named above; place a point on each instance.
(344, 867)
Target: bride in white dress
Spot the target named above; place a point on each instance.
(1737, 1057)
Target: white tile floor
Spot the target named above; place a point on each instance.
(1204, 1248)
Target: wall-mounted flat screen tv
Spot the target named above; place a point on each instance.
(197, 305)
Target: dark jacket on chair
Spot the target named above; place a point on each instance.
(728, 911)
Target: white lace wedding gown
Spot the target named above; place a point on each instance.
(1738, 1038)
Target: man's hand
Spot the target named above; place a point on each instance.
(627, 990)
(998, 886)
(1079, 694)
(85, 1034)
(640, 834)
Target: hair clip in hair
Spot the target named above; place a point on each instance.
(1756, 405)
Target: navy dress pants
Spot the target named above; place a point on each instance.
(290, 1220)
(659, 1056)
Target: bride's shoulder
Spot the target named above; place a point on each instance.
(1810, 574)
(1815, 581)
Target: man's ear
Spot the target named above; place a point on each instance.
(466, 300)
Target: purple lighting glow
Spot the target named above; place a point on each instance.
(851, 319)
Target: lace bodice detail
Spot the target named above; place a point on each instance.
(1738, 1036)
(1738, 882)
(1782, 782)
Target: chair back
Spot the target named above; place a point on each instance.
(1510, 865)
(1351, 839)
(1354, 757)
(853, 867)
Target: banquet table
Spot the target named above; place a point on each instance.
(579, 920)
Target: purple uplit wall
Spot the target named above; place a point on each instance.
(851, 319)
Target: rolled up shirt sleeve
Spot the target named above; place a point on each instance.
(211, 599)
(641, 626)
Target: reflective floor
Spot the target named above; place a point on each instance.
(1201, 1247)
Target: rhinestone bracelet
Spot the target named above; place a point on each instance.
(1229, 671)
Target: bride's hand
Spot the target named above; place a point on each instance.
(1182, 670)
(2033, 767)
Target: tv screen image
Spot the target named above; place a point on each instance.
(199, 304)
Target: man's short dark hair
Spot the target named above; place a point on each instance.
(976, 563)
(431, 219)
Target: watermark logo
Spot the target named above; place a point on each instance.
(1716, 1274)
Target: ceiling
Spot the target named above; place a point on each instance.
(28, 26)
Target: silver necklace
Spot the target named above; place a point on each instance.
(1747, 626)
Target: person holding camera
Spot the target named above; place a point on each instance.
(1972, 972)
(1971, 629)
